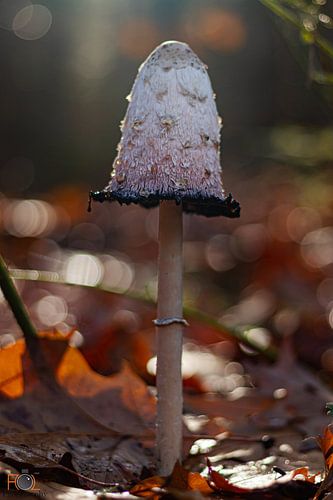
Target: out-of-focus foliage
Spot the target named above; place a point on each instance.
(310, 17)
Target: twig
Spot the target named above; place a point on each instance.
(189, 312)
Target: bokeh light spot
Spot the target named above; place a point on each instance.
(117, 273)
(51, 310)
(317, 247)
(29, 218)
(300, 221)
(277, 222)
(32, 22)
(83, 269)
(248, 242)
(259, 336)
(286, 321)
(6, 339)
(218, 254)
(218, 29)
(330, 318)
(280, 393)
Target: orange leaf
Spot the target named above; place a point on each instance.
(11, 377)
(223, 484)
(197, 482)
(326, 444)
(145, 487)
(121, 401)
(16, 369)
(179, 478)
(304, 471)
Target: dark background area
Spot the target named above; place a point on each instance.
(66, 69)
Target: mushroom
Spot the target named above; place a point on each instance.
(169, 156)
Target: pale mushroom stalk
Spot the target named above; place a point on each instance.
(169, 337)
(169, 155)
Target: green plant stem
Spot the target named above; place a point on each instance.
(282, 12)
(291, 18)
(236, 333)
(15, 302)
(189, 312)
(21, 315)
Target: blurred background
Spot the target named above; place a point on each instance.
(66, 68)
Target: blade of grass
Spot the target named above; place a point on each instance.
(21, 315)
(288, 16)
(190, 312)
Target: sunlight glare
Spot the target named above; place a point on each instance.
(83, 269)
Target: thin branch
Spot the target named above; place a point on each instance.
(293, 19)
(189, 312)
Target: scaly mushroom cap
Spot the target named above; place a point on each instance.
(170, 143)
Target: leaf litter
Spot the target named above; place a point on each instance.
(113, 417)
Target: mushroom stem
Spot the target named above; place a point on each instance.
(169, 337)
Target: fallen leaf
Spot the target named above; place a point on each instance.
(176, 484)
(121, 401)
(304, 471)
(197, 482)
(84, 400)
(85, 460)
(178, 480)
(326, 444)
(146, 487)
(221, 484)
(290, 386)
(11, 378)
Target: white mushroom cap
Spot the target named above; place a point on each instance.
(170, 145)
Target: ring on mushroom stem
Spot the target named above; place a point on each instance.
(170, 321)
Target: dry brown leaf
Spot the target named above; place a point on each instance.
(89, 402)
(121, 401)
(197, 482)
(178, 482)
(222, 485)
(85, 460)
(146, 487)
(326, 444)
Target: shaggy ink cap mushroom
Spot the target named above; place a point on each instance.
(170, 145)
